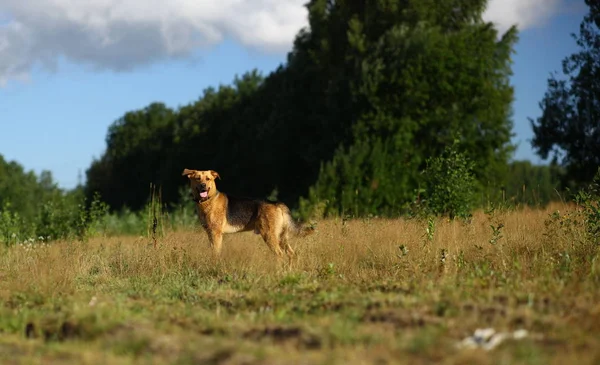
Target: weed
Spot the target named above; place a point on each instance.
(495, 223)
(403, 251)
(496, 233)
(429, 230)
(589, 201)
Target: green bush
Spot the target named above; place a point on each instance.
(589, 200)
(63, 217)
(179, 216)
(450, 186)
(367, 179)
(13, 228)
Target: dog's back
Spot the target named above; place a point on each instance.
(241, 212)
(242, 215)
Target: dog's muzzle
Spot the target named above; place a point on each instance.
(202, 193)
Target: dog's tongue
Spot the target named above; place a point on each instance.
(204, 194)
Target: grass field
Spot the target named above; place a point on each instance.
(361, 292)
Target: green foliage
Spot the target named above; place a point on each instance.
(532, 185)
(23, 190)
(62, 218)
(368, 93)
(56, 221)
(496, 233)
(567, 130)
(365, 180)
(135, 157)
(450, 186)
(58, 215)
(580, 226)
(413, 90)
(430, 230)
(589, 200)
(91, 221)
(12, 227)
(70, 218)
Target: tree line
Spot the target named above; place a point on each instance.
(369, 94)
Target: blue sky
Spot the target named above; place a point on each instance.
(58, 99)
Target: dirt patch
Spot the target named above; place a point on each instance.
(282, 335)
(69, 330)
(501, 299)
(381, 304)
(224, 356)
(314, 308)
(191, 325)
(490, 314)
(400, 320)
(212, 331)
(486, 314)
(390, 288)
(64, 331)
(543, 304)
(30, 330)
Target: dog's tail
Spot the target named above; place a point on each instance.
(294, 227)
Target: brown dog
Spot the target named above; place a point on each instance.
(222, 213)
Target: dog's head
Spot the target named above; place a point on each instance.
(202, 183)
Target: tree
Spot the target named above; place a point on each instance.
(32, 206)
(569, 127)
(370, 90)
(423, 74)
(25, 191)
(533, 185)
(137, 150)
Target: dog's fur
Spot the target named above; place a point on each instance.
(221, 213)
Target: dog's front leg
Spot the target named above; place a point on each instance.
(216, 239)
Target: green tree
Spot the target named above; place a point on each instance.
(23, 190)
(568, 129)
(136, 154)
(423, 74)
(32, 206)
(369, 91)
(532, 185)
(373, 182)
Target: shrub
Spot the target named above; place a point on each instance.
(589, 201)
(450, 186)
(13, 228)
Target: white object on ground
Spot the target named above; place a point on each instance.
(488, 338)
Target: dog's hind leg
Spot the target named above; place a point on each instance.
(284, 243)
(273, 244)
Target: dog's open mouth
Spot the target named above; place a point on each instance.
(203, 194)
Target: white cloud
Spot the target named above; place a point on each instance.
(523, 13)
(123, 34)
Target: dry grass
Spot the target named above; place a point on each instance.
(361, 291)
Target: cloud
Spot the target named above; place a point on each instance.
(121, 35)
(523, 13)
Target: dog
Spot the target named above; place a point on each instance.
(221, 213)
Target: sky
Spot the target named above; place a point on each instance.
(69, 68)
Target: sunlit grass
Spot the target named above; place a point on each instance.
(361, 291)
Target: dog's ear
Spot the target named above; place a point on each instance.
(215, 174)
(187, 172)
